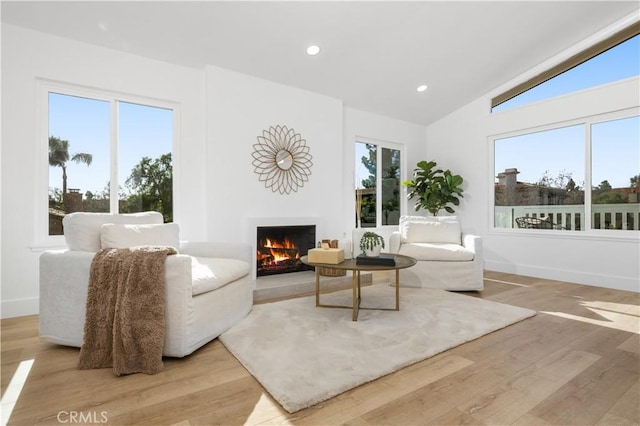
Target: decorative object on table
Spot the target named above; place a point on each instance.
(332, 272)
(383, 259)
(434, 188)
(331, 256)
(282, 159)
(371, 244)
(309, 355)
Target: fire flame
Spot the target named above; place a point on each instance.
(280, 251)
(286, 244)
(279, 256)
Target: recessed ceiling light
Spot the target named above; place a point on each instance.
(422, 88)
(313, 50)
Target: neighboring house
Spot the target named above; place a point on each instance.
(510, 192)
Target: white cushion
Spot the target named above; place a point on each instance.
(437, 252)
(115, 235)
(210, 273)
(82, 230)
(419, 229)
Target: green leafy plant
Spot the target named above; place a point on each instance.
(369, 240)
(434, 188)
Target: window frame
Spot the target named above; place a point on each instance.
(573, 61)
(403, 161)
(587, 230)
(43, 88)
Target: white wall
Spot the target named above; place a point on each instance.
(239, 108)
(0, 177)
(28, 55)
(460, 142)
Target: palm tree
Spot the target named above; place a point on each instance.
(59, 157)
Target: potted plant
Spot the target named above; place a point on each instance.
(434, 188)
(371, 244)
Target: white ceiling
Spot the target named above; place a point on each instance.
(374, 54)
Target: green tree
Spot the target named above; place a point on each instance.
(151, 182)
(603, 194)
(560, 181)
(634, 181)
(370, 162)
(391, 205)
(59, 157)
(607, 198)
(392, 172)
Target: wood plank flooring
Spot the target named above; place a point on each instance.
(577, 362)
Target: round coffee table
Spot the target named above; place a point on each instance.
(401, 262)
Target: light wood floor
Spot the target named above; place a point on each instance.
(576, 362)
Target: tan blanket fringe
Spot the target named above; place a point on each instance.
(124, 325)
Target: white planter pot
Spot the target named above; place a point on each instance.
(375, 252)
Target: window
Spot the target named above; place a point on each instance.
(107, 155)
(377, 184)
(613, 59)
(542, 181)
(615, 170)
(540, 175)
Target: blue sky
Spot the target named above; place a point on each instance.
(615, 147)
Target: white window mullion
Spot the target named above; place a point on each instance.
(379, 186)
(113, 185)
(587, 225)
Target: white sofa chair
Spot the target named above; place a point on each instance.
(208, 286)
(447, 258)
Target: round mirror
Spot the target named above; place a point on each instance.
(284, 159)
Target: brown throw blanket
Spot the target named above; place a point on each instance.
(124, 325)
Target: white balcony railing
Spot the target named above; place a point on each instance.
(603, 216)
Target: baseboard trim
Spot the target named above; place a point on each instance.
(19, 307)
(577, 277)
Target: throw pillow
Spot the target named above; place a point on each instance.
(420, 229)
(82, 230)
(115, 235)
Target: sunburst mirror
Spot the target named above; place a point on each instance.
(282, 159)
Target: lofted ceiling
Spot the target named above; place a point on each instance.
(373, 54)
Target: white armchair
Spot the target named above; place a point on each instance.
(208, 286)
(447, 258)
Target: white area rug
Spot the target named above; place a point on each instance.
(303, 355)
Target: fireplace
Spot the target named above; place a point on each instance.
(279, 248)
